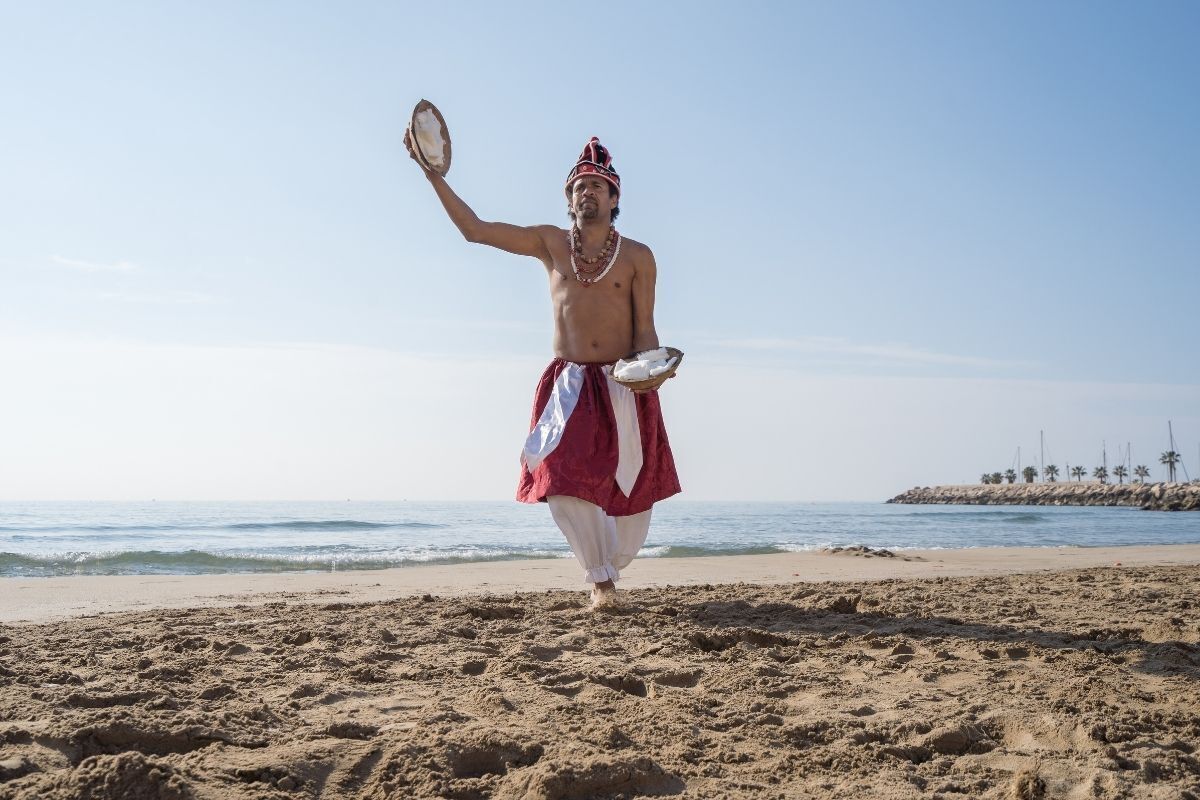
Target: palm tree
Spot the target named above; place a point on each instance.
(986, 478)
(1010, 475)
(1078, 472)
(1142, 471)
(1170, 458)
(1029, 473)
(1101, 474)
(1120, 471)
(996, 477)
(1051, 473)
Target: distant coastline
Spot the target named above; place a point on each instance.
(1148, 496)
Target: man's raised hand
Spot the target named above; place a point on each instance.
(412, 153)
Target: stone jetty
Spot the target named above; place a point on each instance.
(1149, 496)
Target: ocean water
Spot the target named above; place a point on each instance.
(47, 539)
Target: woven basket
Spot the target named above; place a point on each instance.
(659, 380)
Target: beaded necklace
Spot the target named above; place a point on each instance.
(587, 275)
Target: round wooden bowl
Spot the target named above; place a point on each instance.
(658, 380)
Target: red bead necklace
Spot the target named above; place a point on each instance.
(591, 271)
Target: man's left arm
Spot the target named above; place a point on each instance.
(644, 276)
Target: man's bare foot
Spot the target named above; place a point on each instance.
(605, 595)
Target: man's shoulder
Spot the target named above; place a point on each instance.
(635, 248)
(552, 235)
(640, 254)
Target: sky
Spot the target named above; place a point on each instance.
(896, 241)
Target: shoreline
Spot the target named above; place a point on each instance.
(45, 599)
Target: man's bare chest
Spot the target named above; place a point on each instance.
(568, 283)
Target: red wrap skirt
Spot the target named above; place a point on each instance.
(584, 461)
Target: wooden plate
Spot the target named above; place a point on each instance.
(434, 162)
(657, 380)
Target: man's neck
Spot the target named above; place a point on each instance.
(593, 232)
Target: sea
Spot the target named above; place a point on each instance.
(174, 538)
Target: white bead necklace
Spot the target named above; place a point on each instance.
(575, 268)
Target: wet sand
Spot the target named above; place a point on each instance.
(955, 674)
(44, 599)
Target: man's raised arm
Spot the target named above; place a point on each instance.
(515, 239)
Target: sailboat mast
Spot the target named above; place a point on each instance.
(1042, 454)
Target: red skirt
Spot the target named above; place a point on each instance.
(584, 463)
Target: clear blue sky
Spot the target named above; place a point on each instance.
(929, 198)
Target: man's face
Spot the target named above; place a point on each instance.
(589, 194)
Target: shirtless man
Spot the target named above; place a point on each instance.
(597, 453)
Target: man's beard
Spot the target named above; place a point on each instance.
(589, 212)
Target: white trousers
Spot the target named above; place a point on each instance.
(602, 544)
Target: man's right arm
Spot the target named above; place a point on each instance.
(515, 239)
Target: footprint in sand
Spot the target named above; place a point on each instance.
(542, 653)
(628, 684)
(305, 690)
(218, 692)
(681, 679)
(350, 730)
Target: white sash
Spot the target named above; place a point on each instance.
(629, 435)
(564, 396)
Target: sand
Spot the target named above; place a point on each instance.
(1023, 674)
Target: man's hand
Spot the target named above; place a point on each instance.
(412, 153)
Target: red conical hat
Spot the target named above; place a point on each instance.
(595, 160)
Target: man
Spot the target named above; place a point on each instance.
(597, 453)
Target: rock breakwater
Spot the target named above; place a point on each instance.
(1149, 496)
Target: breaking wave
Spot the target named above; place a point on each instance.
(198, 562)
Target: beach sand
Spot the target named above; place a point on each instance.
(953, 674)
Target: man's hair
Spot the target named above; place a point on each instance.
(616, 209)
